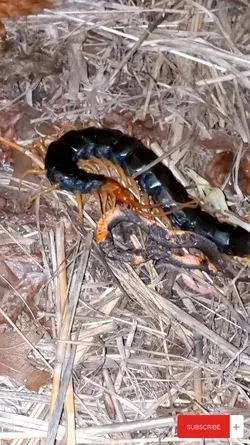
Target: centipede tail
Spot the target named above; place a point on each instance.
(170, 251)
(167, 245)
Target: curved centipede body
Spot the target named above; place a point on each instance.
(158, 182)
(64, 173)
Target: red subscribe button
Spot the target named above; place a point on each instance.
(210, 426)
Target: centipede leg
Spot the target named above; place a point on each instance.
(189, 261)
(192, 204)
(79, 206)
(98, 201)
(83, 199)
(32, 171)
(103, 199)
(47, 190)
(42, 148)
(39, 146)
(112, 199)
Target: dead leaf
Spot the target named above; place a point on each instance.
(19, 8)
(220, 141)
(25, 278)
(218, 169)
(14, 363)
(221, 165)
(214, 202)
(126, 122)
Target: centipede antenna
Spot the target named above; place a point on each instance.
(47, 190)
(31, 171)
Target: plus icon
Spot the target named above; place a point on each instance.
(236, 427)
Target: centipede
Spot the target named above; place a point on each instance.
(71, 164)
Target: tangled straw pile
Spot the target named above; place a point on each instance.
(148, 346)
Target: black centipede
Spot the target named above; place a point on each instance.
(65, 168)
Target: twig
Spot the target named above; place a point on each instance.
(151, 27)
(58, 407)
(198, 345)
(62, 277)
(67, 323)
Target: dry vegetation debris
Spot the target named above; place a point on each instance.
(131, 348)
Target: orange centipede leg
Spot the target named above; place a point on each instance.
(192, 204)
(112, 199)
(192, 261)
(81, 201)
(104, 199)
(85, 199)
(32, 171)
(107, 200)
(47, 190)
(40, 146)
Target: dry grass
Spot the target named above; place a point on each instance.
(130, 348)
